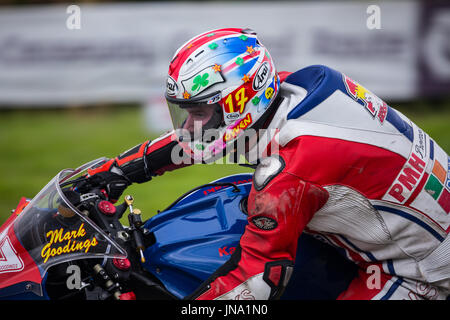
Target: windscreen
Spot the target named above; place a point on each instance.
(53, 231)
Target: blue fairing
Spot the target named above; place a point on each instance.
(190, 235)
(198, 234)
(24, 291)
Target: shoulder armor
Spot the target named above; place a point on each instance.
(267, 169)
(319, 81)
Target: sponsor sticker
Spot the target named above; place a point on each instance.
(264, 223)
(62, 242)
(231, 117)
(413, 170)
(171, 86)
(201, 81)
(447, 181)
(9, 259)
(215, 99)
(269, 93)
(241, 125)
(226, 251)
(376, 107)
(261, 76)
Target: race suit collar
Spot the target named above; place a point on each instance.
(291, 96)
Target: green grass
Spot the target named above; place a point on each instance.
(36, 145)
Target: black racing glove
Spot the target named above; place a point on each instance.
(114, 184)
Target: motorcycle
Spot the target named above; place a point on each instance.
(66, 245)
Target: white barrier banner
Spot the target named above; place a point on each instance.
(90, 53)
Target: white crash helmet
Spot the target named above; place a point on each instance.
(220, 83)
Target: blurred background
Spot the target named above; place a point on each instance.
(85, 79)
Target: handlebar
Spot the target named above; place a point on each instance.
(109, 278)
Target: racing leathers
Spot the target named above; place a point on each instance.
(345, 167)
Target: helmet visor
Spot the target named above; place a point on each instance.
(194, 119)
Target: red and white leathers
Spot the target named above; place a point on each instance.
(358, 175)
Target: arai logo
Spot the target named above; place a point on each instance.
(171, 87)
(231, 117)
(261, 76)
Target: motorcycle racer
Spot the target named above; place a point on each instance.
(333, 160)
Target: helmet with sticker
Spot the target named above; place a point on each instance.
(220, 83)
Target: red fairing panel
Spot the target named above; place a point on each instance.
(16, 265)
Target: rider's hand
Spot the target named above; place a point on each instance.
(112, 183)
